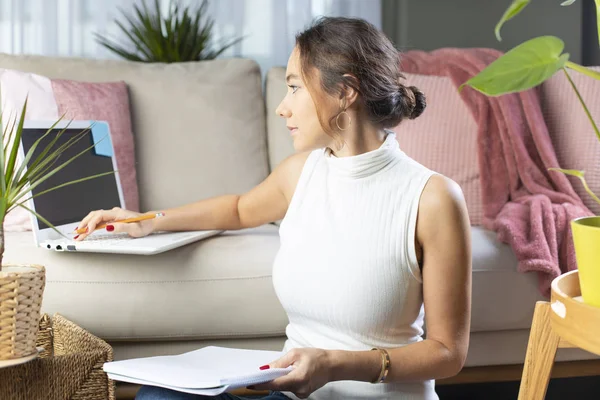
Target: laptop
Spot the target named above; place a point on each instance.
(66, 207)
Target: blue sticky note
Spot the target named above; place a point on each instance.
(101, 138)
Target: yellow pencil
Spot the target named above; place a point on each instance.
(124, 221)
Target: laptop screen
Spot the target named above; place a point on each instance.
(72, 203)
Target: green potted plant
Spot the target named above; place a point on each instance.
(184, 34)
(522, 68)
(22, 286)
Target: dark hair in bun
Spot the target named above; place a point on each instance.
(352, 52)
(413, 101)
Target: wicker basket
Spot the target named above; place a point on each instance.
(21, 290)
(69, 368)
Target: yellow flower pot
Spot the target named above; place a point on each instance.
(586, 237)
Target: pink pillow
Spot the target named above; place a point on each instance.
(48, 99)
(444, 138)
(572, 134)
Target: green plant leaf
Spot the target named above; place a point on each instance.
(3, 208)
(12, 158)
(2, 153)
(44, 220)
(512, 11)
(580, 175)
(119, 50)
(9, 131)
(567, 2)
(134, 36)
(522, 68)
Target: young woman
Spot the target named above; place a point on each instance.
(372, 243)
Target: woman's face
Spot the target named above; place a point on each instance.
(298, 109)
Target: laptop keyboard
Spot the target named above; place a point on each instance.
(106, 239)
(103, 237)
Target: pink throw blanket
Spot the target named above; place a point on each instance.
(528, 206)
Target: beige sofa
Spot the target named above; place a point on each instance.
(203, 129)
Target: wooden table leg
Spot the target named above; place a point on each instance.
(541, 350)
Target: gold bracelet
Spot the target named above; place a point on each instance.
(385, 365)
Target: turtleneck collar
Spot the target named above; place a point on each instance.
(365, 164)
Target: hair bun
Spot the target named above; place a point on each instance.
(414, 101)
(420, 102)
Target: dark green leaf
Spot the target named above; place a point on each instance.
(2, 179)
(12, 159)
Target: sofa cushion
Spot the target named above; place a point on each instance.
(216, 288)
(199, 127)
(51, 99)
(444, 138)
(574, 139)
(105, 101)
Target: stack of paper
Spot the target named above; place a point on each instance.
(208, 371)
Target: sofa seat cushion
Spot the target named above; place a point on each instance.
(503, 298)
(216, 288)
(221, 288)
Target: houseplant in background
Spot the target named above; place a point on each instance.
(184, 34)
(527, 66)
(22, 286)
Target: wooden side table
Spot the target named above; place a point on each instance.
(564, 322)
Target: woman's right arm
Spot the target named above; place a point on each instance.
(265, 203)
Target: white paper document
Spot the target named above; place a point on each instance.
(207, 371)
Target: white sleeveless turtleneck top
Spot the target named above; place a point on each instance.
(346, 272)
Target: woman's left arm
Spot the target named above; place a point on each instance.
(443, 232)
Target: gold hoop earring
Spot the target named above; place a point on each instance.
(337, 122)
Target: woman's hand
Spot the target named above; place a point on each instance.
(311, 372)
(95, 218)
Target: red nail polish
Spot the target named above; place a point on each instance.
(264, 367)
(76, 237)
(110, 228)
